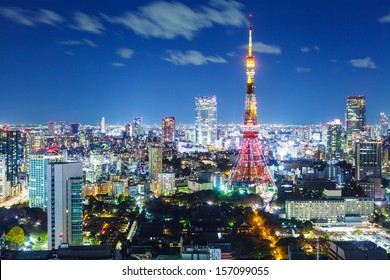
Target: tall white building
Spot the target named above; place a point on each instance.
(206, 120)
(64, 207)
(155, 161)
(4, 184)
(37, 178)
(102, 125)
(166, 184)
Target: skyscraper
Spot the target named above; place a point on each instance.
(4, 184)
(355, 119)
(250, 170)
(37, 177)
(384, 124)
(74, 128)
(155, 161)
(11, 146)
(368, 159)
(334, 134)
(206, 120)
(64, 207)
(102, 125)
(168, 130)
(137, 126)
(51, 126)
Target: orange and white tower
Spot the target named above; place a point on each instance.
(251, 169)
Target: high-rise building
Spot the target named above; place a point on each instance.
(51, 126)
(137, 126)
(64, 207)
(335, 130)
(206, 120)
(4, 184)
(384, 124)
(63, 127)
(74, 128)
(168, 130)
(155, 161)
(11, 146)
(37, 177)
(166, 183)
(355, 119)
(102, 125)
(251, 170)
(368, 159)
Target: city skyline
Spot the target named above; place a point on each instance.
(78, 62)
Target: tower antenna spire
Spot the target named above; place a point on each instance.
(250, 48)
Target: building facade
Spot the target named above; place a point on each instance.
(355, 119)
(168, 130)
(206, 120)
(334, 139)
(155, 161)
(368, 159)
(37, 178)
(64, 207)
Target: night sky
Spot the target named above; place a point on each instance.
(80, 60)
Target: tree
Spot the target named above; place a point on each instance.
(15, 236)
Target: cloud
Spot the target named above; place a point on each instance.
(31, 18)
(81, 42)
(84, 22)
(168, 20)
(334, 60)
(363, 63)
(305, 49)
(385, 19)
(69, 53)
(191, 57)
(260, 47)
(317, 48)
(125, 53)
(300, 70)
(117, 64)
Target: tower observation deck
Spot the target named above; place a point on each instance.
(250, 170)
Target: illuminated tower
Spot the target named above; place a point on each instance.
(251, 169)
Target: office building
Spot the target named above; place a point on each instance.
(74, 128)
(137, 126)
(206, 120)
(155, 161)
(355, 119)
(11, 146)
(168, 130)
(334, 141)
(103, 125)
(356, 250)
(64, 207)
(37, 177)
(4, 184)
(330, 210)
(368, 159)
(51, 127)
(384, 125)
(166, 184)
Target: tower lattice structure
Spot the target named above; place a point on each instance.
(251, 168)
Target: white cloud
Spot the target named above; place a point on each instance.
(299, 70)
(334, 60)
(191, 57)
(366, 62)
(49, 17)
(385, 19)
(86, 42)
(31, 18)
(117, 64)
(317, 48)
(168, 20)
(125, 53)
(305, 49)
(84, 22)
(260, 47)
(69, 53)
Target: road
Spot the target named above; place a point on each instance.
(15, 200)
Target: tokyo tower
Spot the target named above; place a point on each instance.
(250, 170)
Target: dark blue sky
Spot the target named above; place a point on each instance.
(80, 60)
